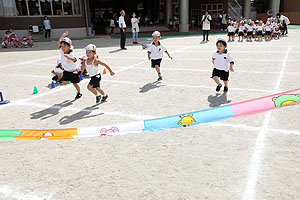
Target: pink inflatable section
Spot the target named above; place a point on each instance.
(263, 104)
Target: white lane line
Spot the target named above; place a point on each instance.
(186, 86)
(28, 62)
(57, 107)
(255, 165)
(8, 193)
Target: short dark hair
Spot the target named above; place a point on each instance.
(278, 14)
(63, 42)
(222, 42)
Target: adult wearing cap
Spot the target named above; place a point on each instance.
(122, 26)
(285, 22)
(206, 19)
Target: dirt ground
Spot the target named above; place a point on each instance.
(253, 157)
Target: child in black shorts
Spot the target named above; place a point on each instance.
(68, 62)
(222, 64)
(155, 53)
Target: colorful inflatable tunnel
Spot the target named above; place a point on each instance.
(249, 107)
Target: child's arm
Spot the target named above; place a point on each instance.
(69, 58)
(63, 36)
(231, 67)
(149, 55)
(213, 61)
(83, 66)
(168, 54)
(98, 62)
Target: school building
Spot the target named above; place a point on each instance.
(80, 17)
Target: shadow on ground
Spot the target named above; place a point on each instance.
(218, 100)
(150, 86)
(52, 111)
(82, 114)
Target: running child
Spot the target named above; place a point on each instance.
(68, 62)
(156, 53)
(91, 64)
(231, 31)
(222, 64)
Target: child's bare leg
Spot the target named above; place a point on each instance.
(93, 90)
(226, 83)
(100, 90)
(216, 79)
(77, 87)
(157, 69)
(59, 76)
(65, 82)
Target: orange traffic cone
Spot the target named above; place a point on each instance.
(104, 71)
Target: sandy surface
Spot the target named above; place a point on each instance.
(209, 161)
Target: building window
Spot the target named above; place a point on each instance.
(213, 9)
(39, 7)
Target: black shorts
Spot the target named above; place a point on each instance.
(267, 33)
(250, 33)
(230, 33)
(73, 77)
(220, 73)
(95, 81)
(259, 32)
(155, 62)
(241, 33)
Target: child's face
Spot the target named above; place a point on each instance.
(220, 47)
(65, 48)
(133, 15)
(155, 38)
(90, 53)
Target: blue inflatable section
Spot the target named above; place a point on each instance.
(189, 119)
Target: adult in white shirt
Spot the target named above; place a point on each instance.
(206, 19)
(285, 22)
(47, 26)
(122, 26)
(135, 28)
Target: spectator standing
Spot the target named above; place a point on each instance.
(122, 26)
(47, 27)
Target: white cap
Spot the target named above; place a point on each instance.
(91, 47)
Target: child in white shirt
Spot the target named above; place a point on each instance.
(222, 64)
(231, 32)
(155, 53)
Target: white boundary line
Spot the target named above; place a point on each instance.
(144, 83)
(255, 166)
(28, 62)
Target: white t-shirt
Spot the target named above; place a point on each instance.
(206, 22)
(135, 25)
(47, 24)
(67, 64)
(268, 28)
(91, 68)
(222, 61)
(259, 27)
(122, 21)
(231, 28)
(250, 28)
(287, 21)
(241, 28)
(58, 70)
(157, 52)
